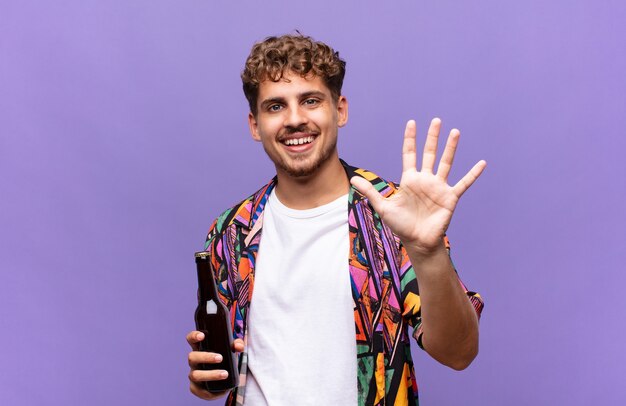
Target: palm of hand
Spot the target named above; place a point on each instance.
(420, 212)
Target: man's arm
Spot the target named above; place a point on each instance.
(449, 321)
(419, 214)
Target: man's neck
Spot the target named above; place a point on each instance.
(328, 183)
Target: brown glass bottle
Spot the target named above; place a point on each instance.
(212, 319)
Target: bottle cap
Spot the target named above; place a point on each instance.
(201, 254)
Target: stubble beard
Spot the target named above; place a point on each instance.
(300, 171)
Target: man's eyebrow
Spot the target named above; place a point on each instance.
(315, 93)
(272, 100)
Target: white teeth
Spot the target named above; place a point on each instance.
(299, 141)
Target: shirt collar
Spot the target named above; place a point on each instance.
(259, 199)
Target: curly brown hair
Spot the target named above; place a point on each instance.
(271, 58)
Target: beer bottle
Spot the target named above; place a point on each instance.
(212, 319)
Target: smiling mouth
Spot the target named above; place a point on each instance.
(299, 141)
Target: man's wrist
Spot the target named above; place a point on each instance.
(421, 252)
(432, 265)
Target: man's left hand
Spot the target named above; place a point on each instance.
(419, 213)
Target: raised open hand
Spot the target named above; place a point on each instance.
(420, 212)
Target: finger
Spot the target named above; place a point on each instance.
(430, 147)
(238, 345)
(369, 192)
(469, 178)
(193, 338)
(200, 375)
(448, 154)
(202, 357)
(202, 393)
(197, 390)
(408, 147)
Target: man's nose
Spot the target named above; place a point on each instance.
(295, 117)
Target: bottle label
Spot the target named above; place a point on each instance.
(211, 307)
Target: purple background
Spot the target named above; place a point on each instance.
(123, 134)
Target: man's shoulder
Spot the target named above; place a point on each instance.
(383, 186)
(241, 214)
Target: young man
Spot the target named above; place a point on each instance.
(343, 264)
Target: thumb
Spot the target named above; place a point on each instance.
(369, 192)
(238, 345)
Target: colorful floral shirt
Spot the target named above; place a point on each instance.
(384, 289)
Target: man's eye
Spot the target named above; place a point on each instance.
(311, 102)
(275, 107)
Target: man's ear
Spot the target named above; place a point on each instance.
(342, 111)
(254, 129)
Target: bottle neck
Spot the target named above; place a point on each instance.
(206, 282)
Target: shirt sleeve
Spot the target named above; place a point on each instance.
(412, 303)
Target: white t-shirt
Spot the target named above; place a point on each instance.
(301, 335)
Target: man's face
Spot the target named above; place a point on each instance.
(297, 123)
